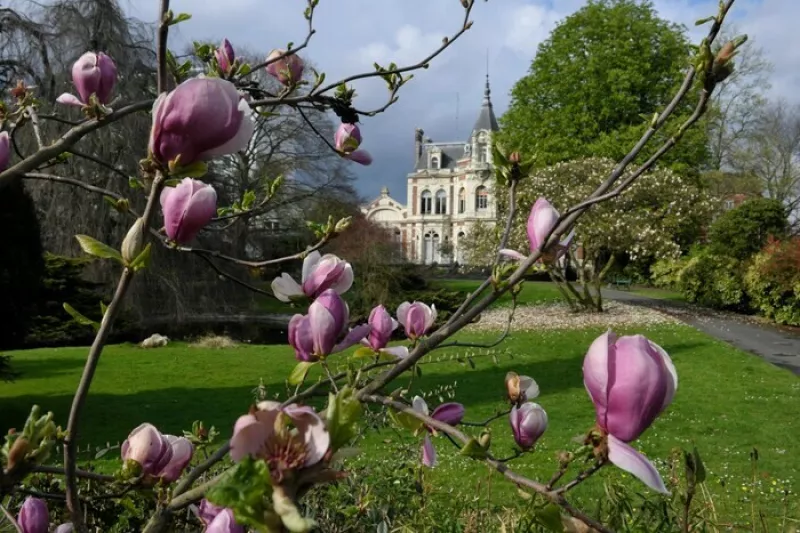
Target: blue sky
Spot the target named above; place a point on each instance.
(352, 34)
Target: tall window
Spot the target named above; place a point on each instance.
(460, 248)
(435, 161)
(462, 200)
(425, 203)
(481, 154)
(481, 198)
(441, 202)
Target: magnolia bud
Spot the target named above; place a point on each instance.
(485, 440)
(17, 453)
(514, 157)
(134, 241)
(343, 224)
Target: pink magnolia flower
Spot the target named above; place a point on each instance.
(188, 208)
(200, 119)
(288, 70)
(319, 333)
(66, 527)
(224, 522)
(416, 318)
(382, 325)
(160, 456)
(265, 433)
(225, 56)
(218, 519)
(450, 413)
(320, 273)
(347, 140)
(528, 422)
(92, 74)
(631, 380)
(541, 221)
(5, 150)
(521, 388)
(33, 516)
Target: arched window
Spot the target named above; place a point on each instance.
(426, 200)
(462, 200)
(436, 256)
(397, 236)
(481, 198)
(441, 202)
(460, 247)
(428, 247)
(435, 162)
(482, 149)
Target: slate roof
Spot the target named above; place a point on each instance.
(451, 153)
(486, 119)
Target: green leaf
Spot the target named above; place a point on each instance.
(198, 169)
(182, 17)
(243, 489)
(363, 352)
(79, 318)
(550, 517)
(473, 449)
(700, 22)
(143, 259)
(96, 248)
(342, 416)
(405, 420)
(300, 372)
(245, 69)
(248, 199)
(103, 308)
(172, 182)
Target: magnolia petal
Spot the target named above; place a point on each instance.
(362, 157)
(345, 280)
(672, 385)
(636, 464)
(285, 287)
(428, 453)
(312, 430)
(69, 99)
(249, 436)
(595, 373)
(353, 337)
(240, 140)
(431, 317)
(419, 405)
(450, 413)
(309, 264)
(512, 254)
(402, 313)
(400, 352)
(323, 328)
(529, 387)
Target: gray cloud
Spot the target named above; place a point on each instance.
(444, 99)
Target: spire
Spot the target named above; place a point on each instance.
(486, 119)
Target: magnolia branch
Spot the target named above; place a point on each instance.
(465, 316)
(555, 497)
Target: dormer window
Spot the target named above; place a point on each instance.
(435, 162)
(467, 149)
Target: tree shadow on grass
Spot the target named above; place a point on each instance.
(43, 368)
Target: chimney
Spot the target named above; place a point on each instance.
(418, 133)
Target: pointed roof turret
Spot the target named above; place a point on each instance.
(486, 119)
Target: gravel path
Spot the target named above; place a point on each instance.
(559, 316)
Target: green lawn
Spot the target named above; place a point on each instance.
(533, 292)
(728, 402)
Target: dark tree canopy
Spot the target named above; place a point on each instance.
(21, 263)
(592, 92)
(743, 231)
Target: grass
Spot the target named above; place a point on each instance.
(533, 292)
(728, 402)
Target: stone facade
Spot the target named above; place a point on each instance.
(448, 191)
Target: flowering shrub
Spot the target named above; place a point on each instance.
(773, 281)
(713, 280)
(277, 451)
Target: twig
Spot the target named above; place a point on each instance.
(66, 141)
(580, 478)
(37, 131)
(487, 421)
(73, 423)
(161, 53)
(11, 518)
(500, 466)
(565, 222)
(99, 161)
(79, 473)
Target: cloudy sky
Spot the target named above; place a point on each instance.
(444, 99)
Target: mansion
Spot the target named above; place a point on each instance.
(448, 191)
